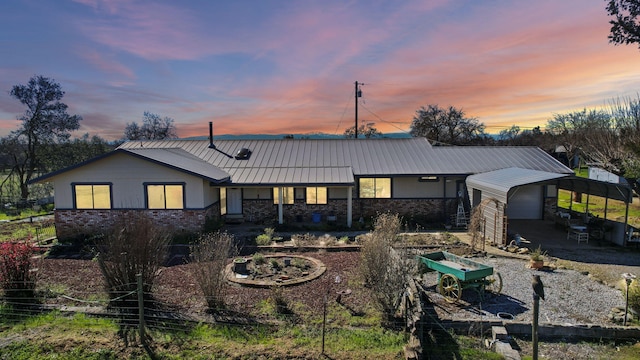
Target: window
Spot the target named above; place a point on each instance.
(375, 188)
(287, 195)
(92, 196)
(223, 201)
(165, 196)
(316, 195)
(428, 179)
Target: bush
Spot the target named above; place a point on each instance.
(135, 245)
(279, 300)
(258, 259)
(275, 264)
(383, 268)
(208, 261)
(16, 276)
(263, 240)
(634, 295)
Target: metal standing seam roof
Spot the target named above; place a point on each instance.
(372, 157)
(498, 183)
(480, 159)
(366, 157)
(328, 161)
(293, 176)
(182, 161)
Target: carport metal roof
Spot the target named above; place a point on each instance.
(621, 191)
(497, 183)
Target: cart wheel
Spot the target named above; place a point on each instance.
(493, 283)
(450, 288)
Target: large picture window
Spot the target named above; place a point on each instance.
(92, 196)
(375, 188)
(316, 195)
(287, 195)
(164, 196)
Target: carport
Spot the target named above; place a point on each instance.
(607, 190)
(523, 194)
(514, 193)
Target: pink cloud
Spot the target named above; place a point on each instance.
(109, 65)
(513, 64)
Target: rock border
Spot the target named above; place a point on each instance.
(319, 266)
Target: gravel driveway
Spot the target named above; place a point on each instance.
(571, 297)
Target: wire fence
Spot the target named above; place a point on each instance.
(129, 307)
(146, 315)
(36, 232)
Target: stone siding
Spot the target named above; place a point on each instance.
(436, 210)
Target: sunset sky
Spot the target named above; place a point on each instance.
(283, 67)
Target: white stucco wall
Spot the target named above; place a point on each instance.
(211, 193)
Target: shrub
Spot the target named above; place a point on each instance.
(267, 237)
(383, 268)
(208, 261)
(263, 239)
(258, 259)
(634, 295)
(299, 263)
(134, 245)
(275, 264)
(16, 276)
(269, 232)
(279, 301)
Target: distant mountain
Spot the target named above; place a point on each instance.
(282, 136)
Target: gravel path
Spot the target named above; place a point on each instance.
(570, 296)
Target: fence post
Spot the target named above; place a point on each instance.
(140, 309)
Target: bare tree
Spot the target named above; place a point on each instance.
(153, 127)
(509, 136)
(368, 131)
(446, 126)
(571, 129)
(45, 121)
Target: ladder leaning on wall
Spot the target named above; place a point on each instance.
(461, 216)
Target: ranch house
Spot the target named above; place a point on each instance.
(182, 184)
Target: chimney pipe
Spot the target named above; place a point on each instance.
(211, 146)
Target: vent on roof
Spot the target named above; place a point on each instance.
(211, 146)
(243, 154)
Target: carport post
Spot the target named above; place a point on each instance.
(349, 206)
(280, 199)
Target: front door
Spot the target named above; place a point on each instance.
(234, 201)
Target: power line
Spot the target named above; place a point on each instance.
(343, 112)
(384, 121)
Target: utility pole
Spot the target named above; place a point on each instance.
(358, 93)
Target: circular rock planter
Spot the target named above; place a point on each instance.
(276, 270)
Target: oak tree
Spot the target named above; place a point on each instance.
(153, 127)
(447, 126)
(45, 121)
(625, 27)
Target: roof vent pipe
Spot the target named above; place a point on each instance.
(211, 146)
